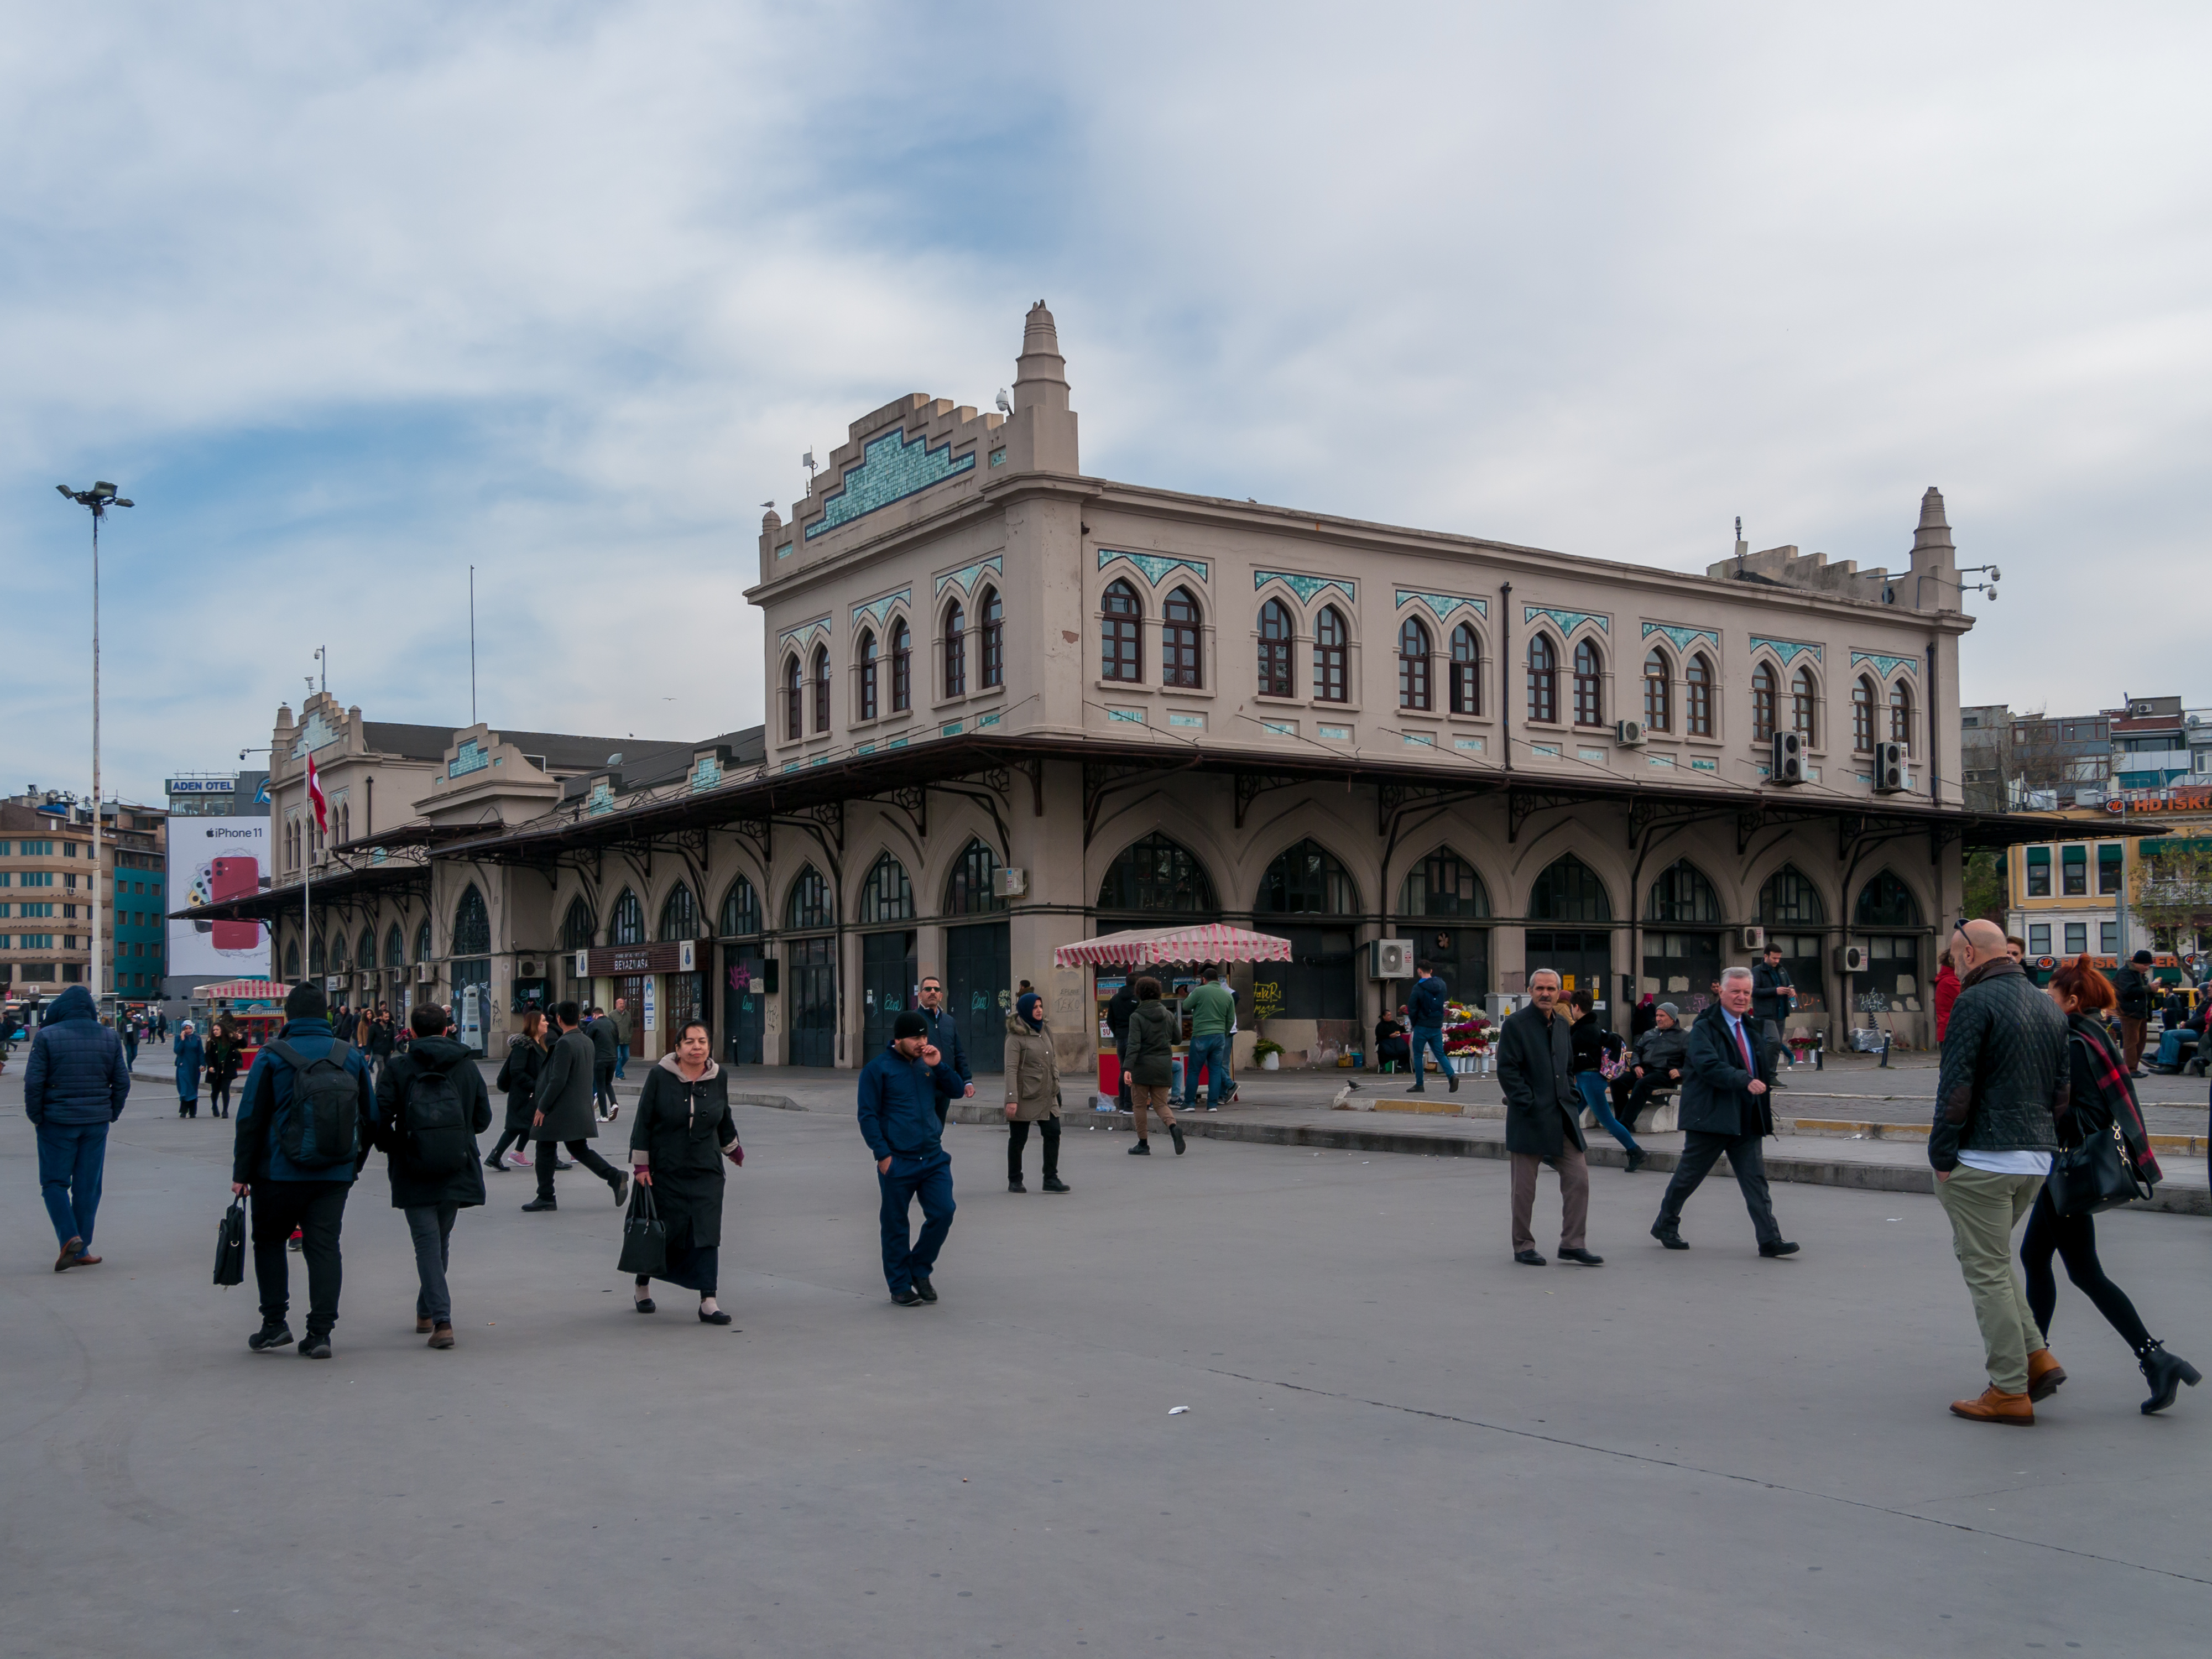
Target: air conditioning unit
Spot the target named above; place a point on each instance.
(1754, 938)
(1789, 765)
(528, 971)
(1889, 777)
(1009, 882)
(1851, 958)
(426, 973)
(1390, 958)
(1628, 734)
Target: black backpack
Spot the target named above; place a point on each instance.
(436, 1125)
(322, 1130)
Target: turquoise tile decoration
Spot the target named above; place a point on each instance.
(1665, 761)
(794, 766)
(1154, 565)
(706, 773)
(1682, 638)
(892, 468)
(1566, 621)
(1788, 650)
(784, 551)
(1888, 666)
(602, 799)
(1305, 587)
(1133, 716)
(1550, 748)
(879, 609)
(1419, 739)
(982, 720)
(964, 578)
(896, 742)
(1705, 766)
(1334, 733)
(1280, 728)
(317, 734)
(1198, 720)
(804, 634)
(864, 748)
(1444, 605)
(998, 458)
(471, 756)
(949, 729)
(1476, 745)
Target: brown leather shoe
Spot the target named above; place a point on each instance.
(67, 1259)
(421, 1325)
(2044, 1374)
(1996, 1405)
(442, 1337)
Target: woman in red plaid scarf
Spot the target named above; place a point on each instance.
(2102, 1097)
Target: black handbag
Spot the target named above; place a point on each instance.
(230, 1245)
(2097, 1175)
(645, 1239)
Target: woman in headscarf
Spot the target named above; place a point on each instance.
(191, 1055)
(681, 1133)
(1032, 1092)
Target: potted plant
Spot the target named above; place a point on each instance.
(1268, 1054)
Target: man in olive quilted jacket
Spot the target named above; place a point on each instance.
(2004, 1080)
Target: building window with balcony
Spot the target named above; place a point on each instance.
(1121, 654)
(1332, 654)
(1276, 633)
(1179, 625)
(1413, 666)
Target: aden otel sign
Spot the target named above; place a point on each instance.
(620, 961)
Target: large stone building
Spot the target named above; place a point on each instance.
(1012, 705)
(46, 891)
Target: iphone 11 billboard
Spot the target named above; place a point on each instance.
(212, 859)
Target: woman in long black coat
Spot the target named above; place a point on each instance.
(682, 1132)
(518, 1076)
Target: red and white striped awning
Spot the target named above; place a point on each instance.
(1210, 941)
(242, 990)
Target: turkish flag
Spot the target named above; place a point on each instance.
(315, 797)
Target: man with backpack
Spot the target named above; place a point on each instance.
(304, 1128)
(430, 1108)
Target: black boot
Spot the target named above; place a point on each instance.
(2166, 1373)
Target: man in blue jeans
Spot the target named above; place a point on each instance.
(1424, 1011)
(899, 1092)
(1211, 1009)
(73, 1088)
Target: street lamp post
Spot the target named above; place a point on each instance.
(99, 498)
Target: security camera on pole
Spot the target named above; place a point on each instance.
(99, 498)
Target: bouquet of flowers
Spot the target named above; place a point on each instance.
(1466, 1031)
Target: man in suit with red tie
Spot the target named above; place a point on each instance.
(1727, 1107)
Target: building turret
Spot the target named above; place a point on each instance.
(1039, 373)
(1935, 561)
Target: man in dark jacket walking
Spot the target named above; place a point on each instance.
(943, 1034)
(1773, 995)
(902, 1122)
(1424, 1012)
(430, 1108)
(1543, 1121)
(606, 1052)
(564, 1114)
(300, 1141)
(1120, 1008)
(73, 1086)
(2133, 983)
(1727, 1107)
(2005, 1079)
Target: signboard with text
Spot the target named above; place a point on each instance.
(620, 961)
(212, 860)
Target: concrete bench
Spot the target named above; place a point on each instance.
(1662, 1116)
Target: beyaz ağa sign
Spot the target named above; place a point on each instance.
(620, 961)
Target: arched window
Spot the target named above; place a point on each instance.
(1804, 704)
(679, 914)
(1900, 715)
(364, 954)
(968, 889)
(1121, 656)
(422, 940)
(868, 666)
(1276, 633)
(1698, 684)
(1154, 873)
(1307, 880)
(1331, 649)
(794, 700)
(1658, 693)
(1179, 625)
(810, 904)
(627, 927)
(471, 925)
(1568, 890)
(821, 688)
(1543, 680)
(578, 927)
(395, 947)
(1444, 884)
(741, 910)
(886, 894)
(316, 967)
(992, 664)
(1886, 902)
(1788, 900)
(956, 650)
(1465, 669)
(292, 960)
(337, 953)
(1682, 894)
(1413, 690)
(1589, 685)
(1862, 715)
(1763, 694)
(902, 668)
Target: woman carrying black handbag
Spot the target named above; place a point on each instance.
(518, 1076)
(681, 1133)
(2102, 1097)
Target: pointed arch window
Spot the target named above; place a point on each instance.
(1122, 653)
(810, 904)
(1862, 715)
(627, 927)
(315, 966)
(471, 925)
(991, 659)
(1332, 656)
(956, 650)
(1307, 880)
(1156, 873)
(887, 895)
(422, 940)
(1277, 632)
(395, 947)
(1682, 894)
(821, 690)
(1180, 619)
(1804, 705)
(364, 954)
(1697, 695)
(1789, 899)
(901, 667)
(968, 889)
(1465, 669)
(1886, 902)
(1589, 685)
(1444, 884)
(869, 668)
(679, 914)
(1900, 715)
(292, 960)
(1568, 890)
(1658, 693)
(794, 700)
(337, 953)
(741, 910)
(1543, 680)
(1763, 694)
(578, 926)
(1414, 679)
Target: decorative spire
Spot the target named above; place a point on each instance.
(1935, 530)
(1039, 373)
(771, 520)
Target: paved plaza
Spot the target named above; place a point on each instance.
(1397, 1441)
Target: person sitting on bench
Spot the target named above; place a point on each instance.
(1390, 1042)
(1661, 1054)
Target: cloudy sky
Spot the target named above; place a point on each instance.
(351, 297)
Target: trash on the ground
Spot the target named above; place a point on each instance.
(1177, 1411)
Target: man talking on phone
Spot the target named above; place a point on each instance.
(899, 1091)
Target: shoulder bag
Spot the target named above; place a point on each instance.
(2096, 1174)
(644, 1238)
(230, 1245)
